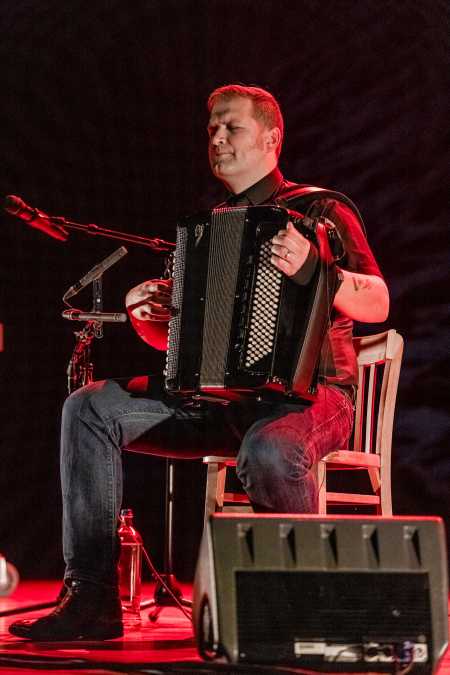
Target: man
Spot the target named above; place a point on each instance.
(278, 441)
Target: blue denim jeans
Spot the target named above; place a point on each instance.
(276, 443)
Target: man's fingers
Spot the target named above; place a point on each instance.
(152, 312)
(149, 300)
(289, 250)
(147, 308)
(281, 264)
(281, 251)
(281, 246)
(153, 290)
(156, 288)
(149, 288)
(289, 240)
(161, 298)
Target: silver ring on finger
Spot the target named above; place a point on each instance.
(287, 254)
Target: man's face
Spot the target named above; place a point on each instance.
(237, 142)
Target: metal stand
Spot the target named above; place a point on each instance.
(80, 368)
(161, 596)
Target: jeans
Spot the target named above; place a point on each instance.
(276, 443)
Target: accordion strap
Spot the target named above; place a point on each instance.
(308, 194)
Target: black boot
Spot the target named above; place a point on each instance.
(86, 612)
(62, 592)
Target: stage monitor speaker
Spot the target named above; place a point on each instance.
(330, 593)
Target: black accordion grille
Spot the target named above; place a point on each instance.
(227, 229)
(264, 310)
(177, 302)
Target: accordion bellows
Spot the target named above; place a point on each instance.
(239, 324)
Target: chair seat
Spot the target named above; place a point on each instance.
(351, 458)
(220, 459)
(235, 498)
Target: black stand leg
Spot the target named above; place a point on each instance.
(161, 597)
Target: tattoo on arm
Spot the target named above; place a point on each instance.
(359, 284)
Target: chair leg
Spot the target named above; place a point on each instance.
(215, 488)
(385, 491)
(375, 482)
(320, 469)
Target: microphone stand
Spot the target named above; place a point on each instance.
(155, 244)
(167, 592)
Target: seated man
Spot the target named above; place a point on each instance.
(277, 441)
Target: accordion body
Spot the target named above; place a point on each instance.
(240, 324)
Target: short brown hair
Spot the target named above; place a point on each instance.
(265, 107)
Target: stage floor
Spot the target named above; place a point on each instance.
(166, 646)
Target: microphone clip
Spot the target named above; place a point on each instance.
(95, 273)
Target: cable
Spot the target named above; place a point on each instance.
(161, 580)
(406, 669)
(158, 668)
(27, 608)
(55, 663)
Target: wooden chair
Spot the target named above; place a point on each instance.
(379, 360)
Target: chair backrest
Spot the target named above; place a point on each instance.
(379, 360)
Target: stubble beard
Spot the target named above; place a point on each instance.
(223, 165)
(219, 164)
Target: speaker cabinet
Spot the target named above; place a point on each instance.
(333, 593)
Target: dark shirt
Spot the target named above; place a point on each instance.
(338, 360)
(264, 191)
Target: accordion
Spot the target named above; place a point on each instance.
(240, 324)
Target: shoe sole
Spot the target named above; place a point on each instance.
(111, 633)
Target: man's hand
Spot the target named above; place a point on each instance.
(289, 250)
(151, 300)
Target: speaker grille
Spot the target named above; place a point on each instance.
(276, 609)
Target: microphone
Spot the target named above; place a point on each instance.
(38, 219)
(95, 272)
(78, 315)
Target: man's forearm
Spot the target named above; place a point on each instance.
(363, 297)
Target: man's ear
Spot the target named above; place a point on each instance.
(272, 138)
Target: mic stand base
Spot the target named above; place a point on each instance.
(162, 598)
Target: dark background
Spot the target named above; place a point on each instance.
(103, 120)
